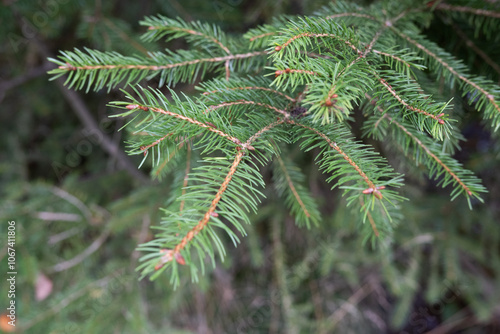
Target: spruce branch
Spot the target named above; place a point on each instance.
(296, 80)
(206, 217)
(108, 69)
(376, 192)
(196, 33)
(455, 70)
(465, 9)
(438, 164)
(177, 251)
(187, 119)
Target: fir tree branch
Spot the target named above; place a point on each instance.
(370, 218)
(204, 221)
(409, 107)
(69, 67)
(466, 80)
(100, 69)
(428, 151)
(462, 178)
(145, 148)
(396, 58)
(374, 40)
(475, 48)
(465, 9)
(192, 32)
(308, 34)
(262, 35)
(264, 129)
(291, 70)
(170, 254)
(376, 192)
(187, 119)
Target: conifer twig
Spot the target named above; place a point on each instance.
(192, 32)
(428, 151)
(431, 54)
(465, 9)
(332, 144)
(145, 148)
(175, 252)
(206, 217)
(407, 106)
(475, 48)
(70, 67)
(308, 34)
(187, 119)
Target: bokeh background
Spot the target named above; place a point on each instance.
(81, 206)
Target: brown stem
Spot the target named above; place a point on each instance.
(175, 252)
(204, 221)
(263, 35)
(334, 145)
(488, 95)
(70, 67)
(428, 151)
(187, 119)
(370, 218)
(464, 9)
(407, 106)
(145, 148)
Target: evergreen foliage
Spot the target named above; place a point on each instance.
(298, 80)
(318, 145)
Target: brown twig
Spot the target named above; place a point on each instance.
(334, 145)
(174, 253)
(475, 48)
(464, 9)
(431, 54)
(187, 119)
(428, 151)
(407, 106)
(206, 217)
(70, 67)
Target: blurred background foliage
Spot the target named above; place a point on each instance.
(81, 207)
